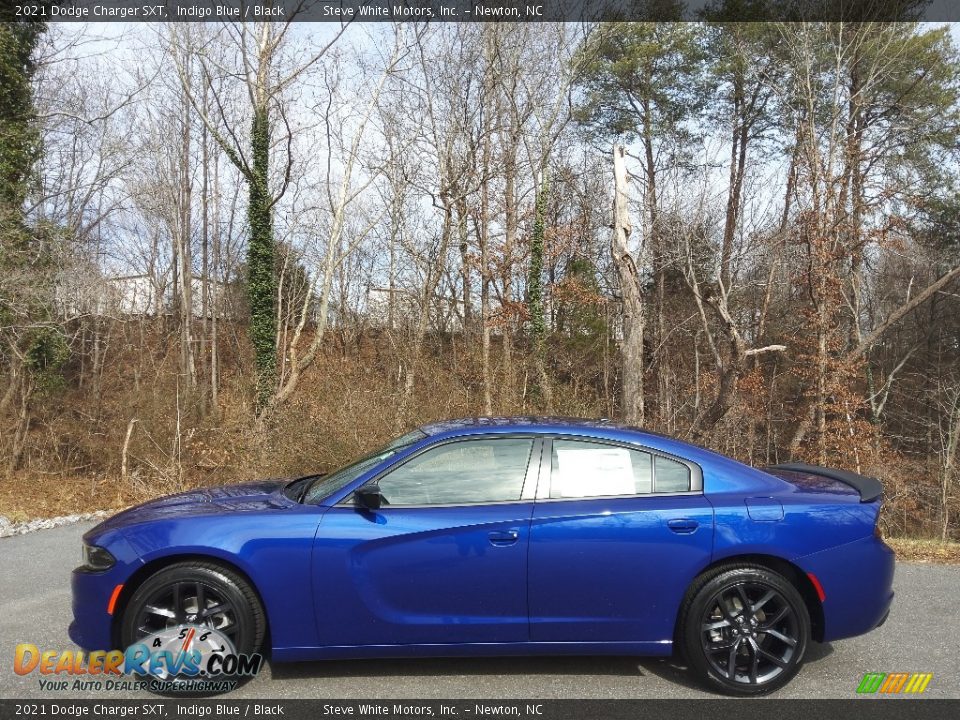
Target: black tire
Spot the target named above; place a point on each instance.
(247, 622)
(746, 618)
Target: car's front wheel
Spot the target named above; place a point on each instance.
(744, 630)
(195, 593)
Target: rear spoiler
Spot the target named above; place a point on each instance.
(869, 487)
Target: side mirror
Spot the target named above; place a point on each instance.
(368, 497)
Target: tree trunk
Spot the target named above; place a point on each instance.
(949, 463)
(633, 308)
(185, 249)
(13, 385)
(465, 270)
(217, 301)
(738, 162)
(510, 239)
(204, 268)
(538, 330)
(483, 241)
(657, 262)
(23, 424)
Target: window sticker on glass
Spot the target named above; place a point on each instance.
(592, 472)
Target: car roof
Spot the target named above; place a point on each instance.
(532, 423)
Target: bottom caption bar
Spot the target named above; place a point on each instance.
(719, 709)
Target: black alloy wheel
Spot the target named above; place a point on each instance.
(745, 630)
(194, 602)
(195, 593)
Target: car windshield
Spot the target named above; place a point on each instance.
(327, 484)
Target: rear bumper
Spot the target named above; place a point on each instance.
(884, 618)
(857, 580)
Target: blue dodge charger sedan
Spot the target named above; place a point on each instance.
(507, 536)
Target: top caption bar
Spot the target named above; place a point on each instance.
(340, 11)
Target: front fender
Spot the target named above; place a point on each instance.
(272, 549)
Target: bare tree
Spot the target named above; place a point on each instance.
(634, 310)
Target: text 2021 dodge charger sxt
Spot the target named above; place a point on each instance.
(504, 536)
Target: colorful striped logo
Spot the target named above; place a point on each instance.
(894, 683)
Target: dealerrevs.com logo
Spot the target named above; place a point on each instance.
(894, 683)
(184, 658)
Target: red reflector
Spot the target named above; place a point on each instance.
(113, 599)
(817, 586)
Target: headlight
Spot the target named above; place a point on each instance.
(97, 558)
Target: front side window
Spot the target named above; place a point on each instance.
(588, 469)
(461, 473)
(324, 485)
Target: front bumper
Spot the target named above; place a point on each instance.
(92, 626)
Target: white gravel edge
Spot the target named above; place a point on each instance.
(9, 529)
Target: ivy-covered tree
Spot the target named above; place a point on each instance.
(19, 140)
(261, 261)
(262, 47)
(32, 347)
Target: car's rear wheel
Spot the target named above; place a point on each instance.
(744, 630)
(195, 593)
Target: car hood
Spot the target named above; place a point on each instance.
(246, 497)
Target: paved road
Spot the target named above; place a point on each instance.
(922, 635)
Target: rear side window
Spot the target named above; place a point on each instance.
(460, 473)
(587, 469)
(671, 476)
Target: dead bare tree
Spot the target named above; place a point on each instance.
(634, 308)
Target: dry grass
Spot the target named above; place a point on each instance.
(31, 497)
(925, 551)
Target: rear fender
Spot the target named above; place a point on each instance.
(808, 525)
(857, 583)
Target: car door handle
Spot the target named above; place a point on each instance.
(502, 538)
(682, 526)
